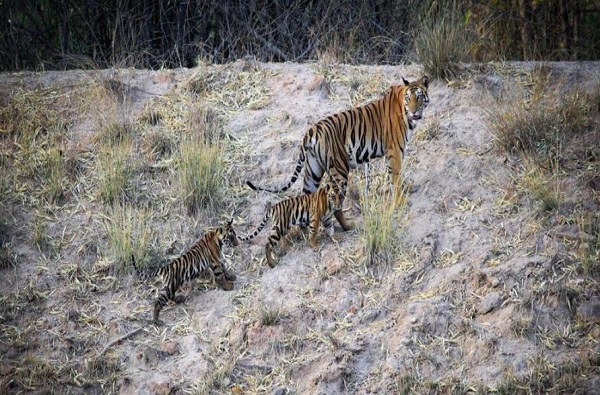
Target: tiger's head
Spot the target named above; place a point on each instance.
(335, 194)
(227, 233)
(415, 98)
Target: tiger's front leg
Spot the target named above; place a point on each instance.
(313, 228)
(394, 159)
(229, 275)
(328, 225)
(224, 284)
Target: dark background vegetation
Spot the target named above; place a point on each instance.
(64, 34)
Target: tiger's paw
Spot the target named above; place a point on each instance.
(271, 261)
(225, 285)
(157, 322)
(229, 276)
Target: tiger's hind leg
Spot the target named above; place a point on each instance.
(165, 295)
(274, 238)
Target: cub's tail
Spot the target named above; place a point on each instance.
(260, 226)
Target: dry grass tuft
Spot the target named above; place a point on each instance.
(540, 125)
(380, 213)
(159, 145)
(114, 172)
(544, 186)
(33, 137)
(116, 132)
(129, 233)
(589, 243)
(200, 172)
(200, 161)
(268, 315)
(229, 89)
(544, 376)
(442, 42)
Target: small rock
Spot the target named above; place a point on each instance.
(589, 311)
(568, 232)
(160, 388)
(595, 332)
(169, 347)
(488, 303)
(317, 84)
(495, 282)
(334, 265)
(6, 369)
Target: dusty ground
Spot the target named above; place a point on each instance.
(483, 291)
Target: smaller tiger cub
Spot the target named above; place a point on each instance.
(204, 257)
(304, 210)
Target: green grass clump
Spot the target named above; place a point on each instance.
(544, 187)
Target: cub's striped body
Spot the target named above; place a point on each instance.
(204, 256)
(341, 141)
(304, 210)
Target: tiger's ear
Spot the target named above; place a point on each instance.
(405, 81)
(425, 81)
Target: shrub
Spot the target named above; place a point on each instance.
(442, 42)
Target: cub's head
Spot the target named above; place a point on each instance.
(335, 194)
(227, 233)
(414, 97)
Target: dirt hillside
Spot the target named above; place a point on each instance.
(487, 281)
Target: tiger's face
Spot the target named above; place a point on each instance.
(415, 98)
(335, 195)
(228, 234)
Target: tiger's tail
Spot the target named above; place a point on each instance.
(299, 166)
(260, 226)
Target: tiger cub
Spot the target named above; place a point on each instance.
(304, 210)
(205, 256)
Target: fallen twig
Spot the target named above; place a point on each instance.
(118, 340)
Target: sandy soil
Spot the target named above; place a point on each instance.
(484, 291)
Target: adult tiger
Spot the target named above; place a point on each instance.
(304, 210)
(341, 141)
(204, 257)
